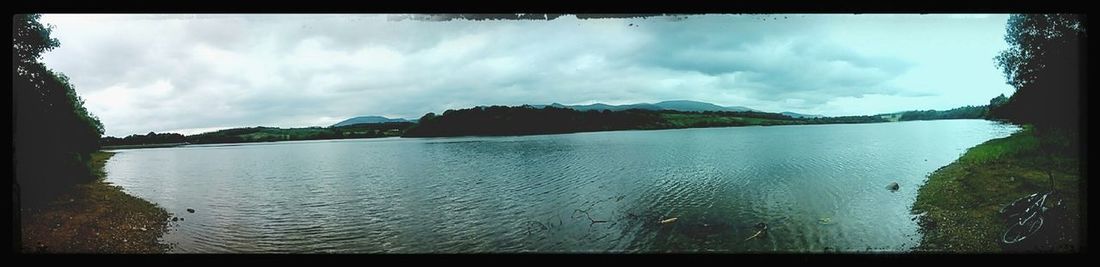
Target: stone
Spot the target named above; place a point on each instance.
(893, 186)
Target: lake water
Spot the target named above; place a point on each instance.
(817, 187)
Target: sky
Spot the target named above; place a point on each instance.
(195, 73)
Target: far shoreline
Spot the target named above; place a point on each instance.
(169, 145)
(143, 146)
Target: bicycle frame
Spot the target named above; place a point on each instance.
(1034, 209)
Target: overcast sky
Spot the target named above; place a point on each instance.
(188, 73)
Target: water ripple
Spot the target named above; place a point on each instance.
(816, 187)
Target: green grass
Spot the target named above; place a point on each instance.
(961, 200)
(1021, 143)
(98, 160)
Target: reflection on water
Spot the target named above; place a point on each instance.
(817, 187)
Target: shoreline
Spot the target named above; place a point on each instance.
(143, 146)
(96, 217)
(681, 128)
(959, 203)
(163, 145)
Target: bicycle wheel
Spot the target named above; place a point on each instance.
(1018, 232)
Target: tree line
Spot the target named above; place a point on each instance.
(53, 134)
(523, 120)
(264, 134)
(1044, 63)
(967, 112)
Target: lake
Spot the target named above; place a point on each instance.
(817, 187)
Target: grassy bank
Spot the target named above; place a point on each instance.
(95, 218)
(961, 201)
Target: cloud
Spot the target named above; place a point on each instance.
(776, 64)
(145, 73)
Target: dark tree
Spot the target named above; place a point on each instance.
(53, 133)
(1044, 64)
(526, 120)
(966, 112)
(150, 138)
(998, 101)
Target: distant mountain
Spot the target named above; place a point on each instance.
(800, 116)
(367, 119)
(602, 106)
(687, 105)
(678, 105)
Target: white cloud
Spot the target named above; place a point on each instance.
(143, 73)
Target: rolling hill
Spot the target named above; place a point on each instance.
(367, 119)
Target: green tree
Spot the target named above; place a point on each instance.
(1043, 62)
(54, 134)
(998, 101)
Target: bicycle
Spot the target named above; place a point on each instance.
(1027, 214)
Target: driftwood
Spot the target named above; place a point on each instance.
(761, 229)
(758, 233)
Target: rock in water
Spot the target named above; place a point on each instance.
(191, 210)
(893, 186)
